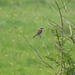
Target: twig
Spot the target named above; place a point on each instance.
(45, 46)
(56, 11)
(70, 27)
(35, 51)
(61, 22)
(61, 52)
(66, 4)
(66, 12)
(50, 28)
(54, 23)
(52, 59)
(52, 35)
(51, 6)
(72, 39)
(71, 34)
(58, 37)
(56, 68)
(51, 22)
(57, 46)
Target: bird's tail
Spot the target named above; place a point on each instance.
(34, 36)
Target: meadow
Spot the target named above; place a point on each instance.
(16, 56)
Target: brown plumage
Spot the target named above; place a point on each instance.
(38, 32)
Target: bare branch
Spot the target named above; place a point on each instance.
(50, 28)
(72, 39)
(54, 23)
(45, 46)
(71, 34)
(35, 51)
(55, 68)
(57, 46)
(57, 13)
(51, 33)
(66, 4)
(61, 52)
(70, 27)
(61, 21)
(52, 59)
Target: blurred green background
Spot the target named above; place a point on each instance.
(16, 56)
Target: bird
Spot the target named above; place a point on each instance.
(39, 32)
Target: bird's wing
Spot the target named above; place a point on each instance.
(39, 32)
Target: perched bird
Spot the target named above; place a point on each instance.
(39, 31)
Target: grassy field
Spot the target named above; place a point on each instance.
(16, 56)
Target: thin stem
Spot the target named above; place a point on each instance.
(36, 51)
(52, 22)
(61, 51)
(66, 4)
(58, 37)
(70, 27)
(57, 13)
(44, 45)
(50, 28)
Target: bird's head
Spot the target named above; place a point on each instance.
(41, 28)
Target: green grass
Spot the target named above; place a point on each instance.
(16, 56)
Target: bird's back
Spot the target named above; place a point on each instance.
(39, 31)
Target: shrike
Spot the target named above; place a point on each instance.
(39, 31)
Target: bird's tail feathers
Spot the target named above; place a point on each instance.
(35, 35)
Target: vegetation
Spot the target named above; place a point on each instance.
(17, 57)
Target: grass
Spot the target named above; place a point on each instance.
(16, 56)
